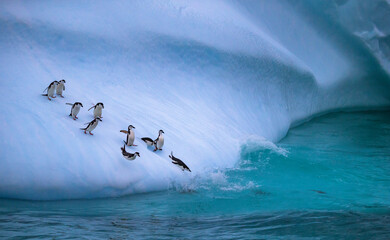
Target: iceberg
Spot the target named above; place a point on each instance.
(211, 74)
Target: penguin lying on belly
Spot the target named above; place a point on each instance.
(127, 155)
(179, 163)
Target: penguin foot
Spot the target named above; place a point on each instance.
(155, 150)
(90, 133)
(85, 132)
(49, 98)
(76, 117)
(134, 145)
(54, 97)
(61, 96)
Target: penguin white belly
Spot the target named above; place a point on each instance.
(92, 127)
(60, 87)
(130, 138)
(97, 112)
(50, 91)
(75, 111)
(160, 142)
(130, 158)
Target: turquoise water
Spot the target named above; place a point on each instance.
(327, 179)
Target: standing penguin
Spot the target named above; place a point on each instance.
(159, 142)
(179, 163)
(75, 109)
(50, 90)
(91, 126)
(97, 112)
(127, 155)
(130, 135)
(61, 87)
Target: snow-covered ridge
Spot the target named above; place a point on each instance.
(209, 73)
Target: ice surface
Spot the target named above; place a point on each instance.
(209, 73)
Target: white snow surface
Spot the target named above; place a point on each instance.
(211, 74)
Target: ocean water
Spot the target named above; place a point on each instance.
(328, 178)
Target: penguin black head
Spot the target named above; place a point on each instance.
(161, 131)
(100, 104)
(78, 103)
(98, 118)
(137, 153)
(130, 127)
(63, 80)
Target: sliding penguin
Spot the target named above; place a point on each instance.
(97, 112)
(61, 87)
(127, 155)
(75, 109)
(130, 136)
(148, 141)
(91, 125)
(179, 163)
(50, 90)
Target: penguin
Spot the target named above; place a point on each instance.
(179, 163)
(75, 109)
(50, 90)
(130, 136)
(61, 87)
(97, 112)
(91, 126)
(127, 155)
(148, 141)
(159, 142)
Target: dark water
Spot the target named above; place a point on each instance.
(328, 179)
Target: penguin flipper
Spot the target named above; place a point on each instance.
(91, 107)
(69, 104)
(124, 131)
(44, 94)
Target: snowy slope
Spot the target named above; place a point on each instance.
(210, 74)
